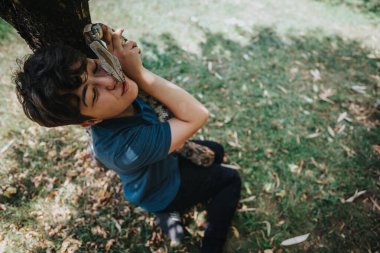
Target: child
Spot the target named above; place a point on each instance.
(59, 86)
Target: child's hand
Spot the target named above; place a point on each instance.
(128, 53)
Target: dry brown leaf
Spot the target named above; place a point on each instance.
(249, 199)
(65, 152)
(331, 131)
(109, 244)
(277, 178)
(10, 191)
(282, 89)
(268, 227)
(341, 117)
(307, 99)
(376, 148)
(117, 225)
(341, 129)
(6, 147)
(325, 94)
(375, 204)
(245, 208)
(235, 231)
(294, 168)
(70, 245)
(234, 166)
(72, 173)
(313, 135)
(315, 74)
(355, 196)
(201, 219)
(295, 240)
(281, 194)
(359, 89)
(99, 231)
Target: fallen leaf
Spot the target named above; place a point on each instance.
(10, 191)
(97, 230)
(277, 178)
(268, 227)
(376, 148)
(218, 76)
(307, 99)
(117, 225)
(282, 89)
(235, 231)
(231, 166)
(341, 117)
(313, 135)
(209, 66)
(295, 240)
(268, 187)
(109, 244)
(247, 209)
(249, 199)
(331, 131)
(201, 219)
(246, 57)
(281, 194)
(341, 129)
(315, 74)
(7, 146)
(325, 94)
(70, 245)
(355, 196)
(359, 89)
(375, 204)
(294, 168)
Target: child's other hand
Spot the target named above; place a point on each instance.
(128, 53)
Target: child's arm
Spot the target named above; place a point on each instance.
(189, 114)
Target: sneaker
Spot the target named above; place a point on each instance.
(171, 225)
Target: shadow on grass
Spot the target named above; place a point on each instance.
(371, 7)
(287, 112)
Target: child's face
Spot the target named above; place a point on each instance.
(103, 97)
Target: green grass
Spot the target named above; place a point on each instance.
(5, 30)
(266, 106)
(365, 6)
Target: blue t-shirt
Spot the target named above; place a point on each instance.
(136, 148)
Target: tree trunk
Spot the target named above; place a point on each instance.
(44, 22)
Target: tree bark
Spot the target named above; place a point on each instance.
(44, 22)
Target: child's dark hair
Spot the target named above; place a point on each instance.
(46, 83)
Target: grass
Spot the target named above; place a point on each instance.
(5, 31)
(265, 98)
(371, 7)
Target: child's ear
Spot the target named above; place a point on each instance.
(90, 122)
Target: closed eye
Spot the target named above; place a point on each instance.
(96, 68)
(94, 95)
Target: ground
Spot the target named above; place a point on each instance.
(292, 87)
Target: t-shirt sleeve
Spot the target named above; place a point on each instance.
(146, 145)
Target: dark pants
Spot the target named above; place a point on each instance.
(217, 184)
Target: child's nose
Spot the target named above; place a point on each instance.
(107, 82)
